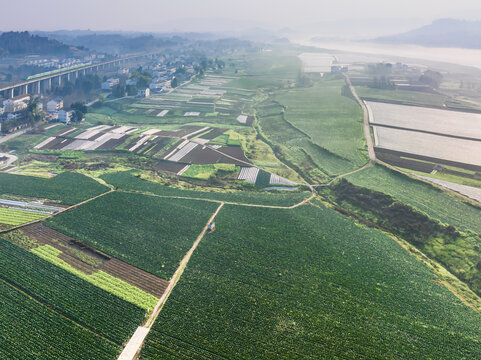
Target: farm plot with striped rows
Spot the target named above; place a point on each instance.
(67, 188)
(108, 273)
(87, 306)
(148, 232)
(128, 181)
(14, 217)
(257, 289)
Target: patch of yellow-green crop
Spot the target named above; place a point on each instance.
(101, 279)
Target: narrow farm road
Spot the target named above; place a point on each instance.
(343, 175)
(14, 135)
(367, 132)
(306, 200)
(9, 160)
(135, 343)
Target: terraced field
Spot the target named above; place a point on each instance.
(330, 120)
(257, 289)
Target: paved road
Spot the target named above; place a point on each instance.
(14, 135)
(367, 132)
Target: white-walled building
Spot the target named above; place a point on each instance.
(16, 104)
(65, 116)
(143, 93)
(110, 83)
(158, 85)
(54, 105)
(123, 71)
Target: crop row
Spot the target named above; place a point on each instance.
(84, 303)
(148, 232)
(307, 284)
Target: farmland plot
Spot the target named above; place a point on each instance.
(147, 232)
(329, 119)
(108, 273)
(59, 188)
(31, 330)
(98, 137)
(14, 217)
(338, 291)
(85, 304)
(454, 123)
(436, 203)
(433, 146)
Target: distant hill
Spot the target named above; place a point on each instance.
(441, 33)
(23, 43)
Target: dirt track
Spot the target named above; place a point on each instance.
(135, 343)
(367, 132)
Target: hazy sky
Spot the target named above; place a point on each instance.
(152, 15)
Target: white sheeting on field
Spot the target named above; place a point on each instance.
(279, 180)
(184, 151)
(248, 174)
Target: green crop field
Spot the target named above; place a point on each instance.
(205, 172)
(68, 188)
(85, 304)
(331, 120)
(16, 217)
(435, 203)
(31, 330)
(148, 232)
(127, 181)
(300, 150)
(257, 289)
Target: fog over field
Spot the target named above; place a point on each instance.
(346, 17)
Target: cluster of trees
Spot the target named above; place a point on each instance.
(79, 111)
(23, 43)
(144, 78)
(431, 78)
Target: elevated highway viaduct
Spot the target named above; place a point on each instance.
(43, 83)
